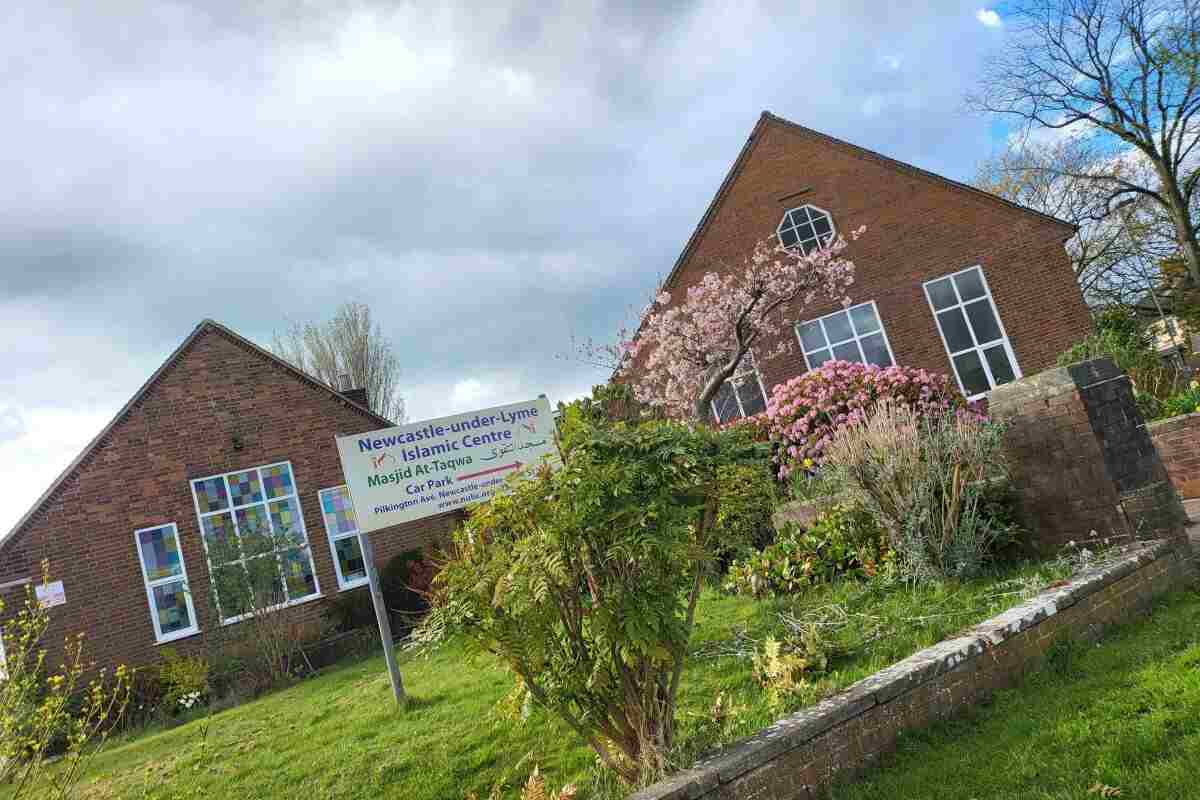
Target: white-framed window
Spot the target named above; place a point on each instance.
(165, 575)
(972, 332)
(742, 395)
(852, 334)
(341, 527)
(253, 531)
(806, 227)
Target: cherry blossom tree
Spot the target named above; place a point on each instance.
(686, 349)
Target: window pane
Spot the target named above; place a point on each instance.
(837, 327)
(751, 396)
(821, 224)
(797, 218)
(983, 321)
(244, 488)
(847, 352)
(941, 294)
(954, 328)
(170, 607)
(254, 530)
(210, 495)
(725, 403)
(338, 510)
(875, 350)
(811, 336)
(298, 571)
(970, 285)
(233, 589)
(818, 358)
(970, 372)
(277, 481)
(160, 553)
(219, 538)
(787, 237)
(266, 586)
(864, 319)
(350, 558)
(998, 362)
(285, 516)
(805, 232)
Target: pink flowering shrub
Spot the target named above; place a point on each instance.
(804, 413)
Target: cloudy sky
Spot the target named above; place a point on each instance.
(491, 178)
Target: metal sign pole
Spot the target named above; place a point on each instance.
(381, 616)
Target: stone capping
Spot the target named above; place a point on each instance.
(798, 729)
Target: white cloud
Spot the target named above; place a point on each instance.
(989, 18)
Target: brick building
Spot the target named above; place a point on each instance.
(226, 438)
(949, 278)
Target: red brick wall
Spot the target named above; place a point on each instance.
(139, 477)
(1178, 443)
(918, 228)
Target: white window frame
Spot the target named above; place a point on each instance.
(266, 504)
(150, 585)
(333, 537)
(735, 379)
(978, 346)
(855, 336)
(783, 223)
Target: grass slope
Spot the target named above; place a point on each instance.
(339, 736)
(1123, 714)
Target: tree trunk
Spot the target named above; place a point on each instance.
(1181, 217)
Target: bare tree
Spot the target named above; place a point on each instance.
(1115, 251)
(1121, 74)
(349, 344)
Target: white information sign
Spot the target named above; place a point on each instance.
(50, 595)
(425, 468)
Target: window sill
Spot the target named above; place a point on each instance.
(353, 585)
(175, 637)
(273, 609)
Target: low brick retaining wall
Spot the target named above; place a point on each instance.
(800, 756)
(1178, 443)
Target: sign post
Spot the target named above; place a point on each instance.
(409, 472)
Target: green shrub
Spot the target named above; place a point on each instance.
(183, 681)
(924, 478)
(584, 581)
(1185, 402)
(842, 541)
(404, 581)
(747, 499)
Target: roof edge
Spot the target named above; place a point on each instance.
(204, 325)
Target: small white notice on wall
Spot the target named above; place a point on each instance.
(51, 594)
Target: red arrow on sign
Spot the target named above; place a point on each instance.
(514, 465)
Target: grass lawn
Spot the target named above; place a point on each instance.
(1124, 714)
(339, 736)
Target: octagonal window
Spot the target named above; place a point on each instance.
(806, 227)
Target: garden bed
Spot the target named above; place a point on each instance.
(338, 735)
(799, 755)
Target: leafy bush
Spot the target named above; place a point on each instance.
(805, 412)
(784, 671)
(45, 713)
(1121, 336)
(841, 541)
(747, 498)
(923, 479)
(584, 581)
(404, 580)
(1185, 402)
(183, 681)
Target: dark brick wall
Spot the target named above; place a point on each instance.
(1082, 460)
(918, 228)
(1178, 442)
(801, 756)
(139, 476)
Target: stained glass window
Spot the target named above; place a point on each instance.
(341, 526)
(258, 551)
(163, 571)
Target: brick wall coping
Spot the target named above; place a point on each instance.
(1173, 423)
(802, 727)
